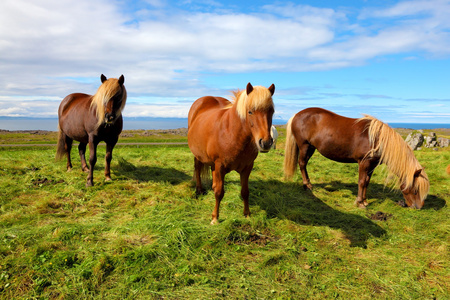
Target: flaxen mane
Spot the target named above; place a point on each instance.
(396, 155)
(105, 92)
(259, 99)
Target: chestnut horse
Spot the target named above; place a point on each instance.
(227, 136)
(366, 141)
(90, 120)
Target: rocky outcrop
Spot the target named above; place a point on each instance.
(416, 140)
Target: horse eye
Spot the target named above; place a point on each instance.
(250, 112)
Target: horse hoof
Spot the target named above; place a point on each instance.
(88, 184)
(214, 222)
(200, 192)
(108, 179)
(361, 205)
(307, 187)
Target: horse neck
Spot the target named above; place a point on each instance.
(397, 156)
(235, 124)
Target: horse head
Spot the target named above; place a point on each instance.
(109, 100)
(258, 111)
(416, 192)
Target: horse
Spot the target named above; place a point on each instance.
(274, 135)
(227, 136)
(366, 141)
(91, 119)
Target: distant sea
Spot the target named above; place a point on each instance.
(50, 124)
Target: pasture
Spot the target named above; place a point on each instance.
(145, 235)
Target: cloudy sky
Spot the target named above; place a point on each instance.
(389, 59)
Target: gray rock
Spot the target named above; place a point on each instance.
(430, 140)
(414, 140)
(443, 142)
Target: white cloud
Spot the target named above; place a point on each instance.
(45, 45)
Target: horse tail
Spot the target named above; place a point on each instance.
(61, 146)
(205, 171)
(291, 152)
(397, 155)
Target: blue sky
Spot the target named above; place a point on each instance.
(389, 59)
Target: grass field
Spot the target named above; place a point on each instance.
(144, 235)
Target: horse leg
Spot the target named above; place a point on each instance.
(365, 173)
(198, 167)
(108, 158)
(245, 174)
(92, 161)
(82, 152)
(218, 179)
(305, 153)
(68, 148)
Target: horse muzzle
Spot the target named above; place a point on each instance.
(265, 145)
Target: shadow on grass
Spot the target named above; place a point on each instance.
(434, 202)
(286, 200)
(149, 173)
(378, 192)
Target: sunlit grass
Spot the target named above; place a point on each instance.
(145, 235)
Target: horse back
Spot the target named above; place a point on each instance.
(73, 104)
(206, 104)
(336, 137)
(76, 118)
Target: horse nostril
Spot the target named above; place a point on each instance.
(265, 144)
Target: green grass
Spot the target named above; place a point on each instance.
(144, 235)
(31, 137)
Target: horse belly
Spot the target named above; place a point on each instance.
(75, 131)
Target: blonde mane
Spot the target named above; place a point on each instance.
(395, 153)
(105, 92)
(259, 99)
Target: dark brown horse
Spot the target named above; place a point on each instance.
(90, 120)
(366, 141)
(227, 136)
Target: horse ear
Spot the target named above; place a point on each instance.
(249, 88)
(121, 80)
(272, 89)
(103, 78)
(417, 172)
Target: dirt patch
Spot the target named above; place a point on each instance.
(380, 216)
(45, 181)
(402, 203)
(245, 235)
(252, 238)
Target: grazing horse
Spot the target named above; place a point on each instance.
(227, 136)
(366, 141)
(89, 120)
